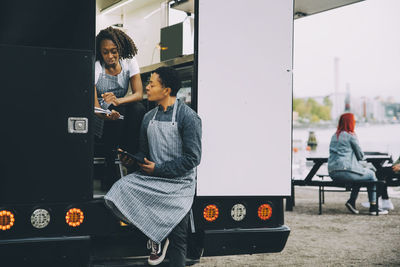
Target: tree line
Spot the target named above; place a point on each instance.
(309, 110)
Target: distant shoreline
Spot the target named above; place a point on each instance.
(333, 125)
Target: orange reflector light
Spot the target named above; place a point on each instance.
(6, 220)
(264, 212)
(121, 223)
(74, 217)
(210, 213)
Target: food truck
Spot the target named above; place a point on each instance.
(236, 62)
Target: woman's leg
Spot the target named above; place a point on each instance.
(348, 177)
(369, 175)
(109, 142)
(345, 176)
(110, 135)
(382, 191)
(383, 174)
(131, 129)
(354, 194)
(373, 209)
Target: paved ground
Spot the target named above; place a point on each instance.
(335, 238)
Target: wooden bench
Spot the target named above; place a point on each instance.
(323, 182)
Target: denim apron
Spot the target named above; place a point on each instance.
(155, 205)
(109, 84)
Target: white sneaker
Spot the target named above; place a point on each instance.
(158, 251)
(372, 211)
(367, 205)
(352, 208)
(386, 204)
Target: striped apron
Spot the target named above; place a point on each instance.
(155, 205)
(108, 83)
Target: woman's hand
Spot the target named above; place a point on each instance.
(148, 166)
(113, 116)
(396, 167)
(110, 98)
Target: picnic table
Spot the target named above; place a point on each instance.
(377, 159)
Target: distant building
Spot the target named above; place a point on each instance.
(392, 112)
(338, 105)
(378, 109)
(347, 99)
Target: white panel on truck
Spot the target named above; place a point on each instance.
(245, 97)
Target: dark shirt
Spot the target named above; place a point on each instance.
(189, 127)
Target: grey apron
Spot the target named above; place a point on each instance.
(108, 83)
(155, 205)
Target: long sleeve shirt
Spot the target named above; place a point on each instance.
(189, 127)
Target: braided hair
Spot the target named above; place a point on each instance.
(125, 45)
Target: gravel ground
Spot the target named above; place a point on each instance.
(335, 238)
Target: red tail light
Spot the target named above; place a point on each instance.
(210, 213)
(74, 217)
(6, 220)
(264, 212)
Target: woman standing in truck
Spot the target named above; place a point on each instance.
(115, 69)
(343, 163)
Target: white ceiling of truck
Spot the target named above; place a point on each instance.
(302, 8)
(103, 4)
(308, 7)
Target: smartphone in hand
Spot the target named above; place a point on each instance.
(136, 157)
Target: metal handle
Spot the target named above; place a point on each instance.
(77, 125)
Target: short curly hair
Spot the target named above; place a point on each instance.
(169, 77)
(125, 45)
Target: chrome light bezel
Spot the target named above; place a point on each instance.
(238, 212)
(40, 218)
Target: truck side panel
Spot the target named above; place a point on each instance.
(40, 160)
(47, 77)
(245, 97)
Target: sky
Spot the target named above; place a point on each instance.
(365, 37)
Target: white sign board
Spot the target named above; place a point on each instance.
(245, 97)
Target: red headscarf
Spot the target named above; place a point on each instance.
(346, 123)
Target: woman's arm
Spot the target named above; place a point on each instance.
(356, 147)
(114, 114)
(137, 93)
(137, 90)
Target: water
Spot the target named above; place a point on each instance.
(379, 138)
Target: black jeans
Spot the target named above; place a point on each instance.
(119, 133)
(178, 237)
(386, 174)
(178, 243)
